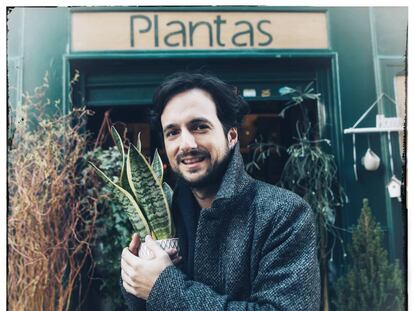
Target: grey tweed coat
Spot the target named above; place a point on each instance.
(255, 249)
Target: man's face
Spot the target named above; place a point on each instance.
(194, 139)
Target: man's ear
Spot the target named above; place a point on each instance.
(232, 137)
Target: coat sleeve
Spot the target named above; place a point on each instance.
(287, 277)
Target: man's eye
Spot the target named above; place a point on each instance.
(200, 127)
(171, 133)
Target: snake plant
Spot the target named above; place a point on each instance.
(142, 192)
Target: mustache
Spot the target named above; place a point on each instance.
(192, 153)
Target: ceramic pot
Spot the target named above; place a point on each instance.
(145, 252)
(370, 160)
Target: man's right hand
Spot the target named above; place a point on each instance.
(135, 243)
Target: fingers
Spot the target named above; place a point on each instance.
(172, 252)
(130, 259)
(134, 244)
(126, 267)
(128, 288)
(126, 278)
(153, 246)
(176, 260)
(127, 281)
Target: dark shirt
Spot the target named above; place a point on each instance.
(186, 212)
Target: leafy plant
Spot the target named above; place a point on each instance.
(141, 191)
(261, 152)
(297, 96)
(312, 173)
(371, 283)
(112, 230)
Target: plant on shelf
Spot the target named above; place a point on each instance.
(141, 191)
(371, 282)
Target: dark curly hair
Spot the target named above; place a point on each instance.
(230, 106)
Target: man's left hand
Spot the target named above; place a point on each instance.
(138, 274)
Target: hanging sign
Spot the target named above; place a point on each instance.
(122, 31)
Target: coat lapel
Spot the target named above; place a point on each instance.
(216, 242)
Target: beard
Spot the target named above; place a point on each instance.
(213, 175)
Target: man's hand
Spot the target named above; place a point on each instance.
(136, 243)
(138, 274)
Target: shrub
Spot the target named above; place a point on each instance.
(51, 216)
(371, 282)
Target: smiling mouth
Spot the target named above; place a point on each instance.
(192, 160)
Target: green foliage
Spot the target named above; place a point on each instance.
(311, 172)
(148, 193)
(113, 228)
(127, 202)
(140, 191)
(297, 96)
(371, 283)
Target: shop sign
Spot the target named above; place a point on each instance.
(120, 31)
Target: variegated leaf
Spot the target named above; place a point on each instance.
(128, 203)
(118, 142)
(139, 142)
(149, 194)
(123, 179)
(168, 193)
(157, 166)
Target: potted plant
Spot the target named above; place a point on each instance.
(143, 194)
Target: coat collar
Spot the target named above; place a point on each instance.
(235, 180)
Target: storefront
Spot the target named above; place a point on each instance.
(350, 56)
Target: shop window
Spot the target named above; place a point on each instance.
(265, 136)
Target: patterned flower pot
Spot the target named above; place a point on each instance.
(145, 252)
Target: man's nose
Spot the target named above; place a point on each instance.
(188, 141)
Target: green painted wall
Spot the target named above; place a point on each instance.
(364, 38)
(38, 37)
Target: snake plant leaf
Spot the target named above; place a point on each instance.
(128, 203)
(123, 179)
(139, 142)
(157, 166)
(148, 193)
(118, 142)
(168, 193)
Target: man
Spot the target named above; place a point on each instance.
(245, 244)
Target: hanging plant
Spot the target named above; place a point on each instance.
(312, 173)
